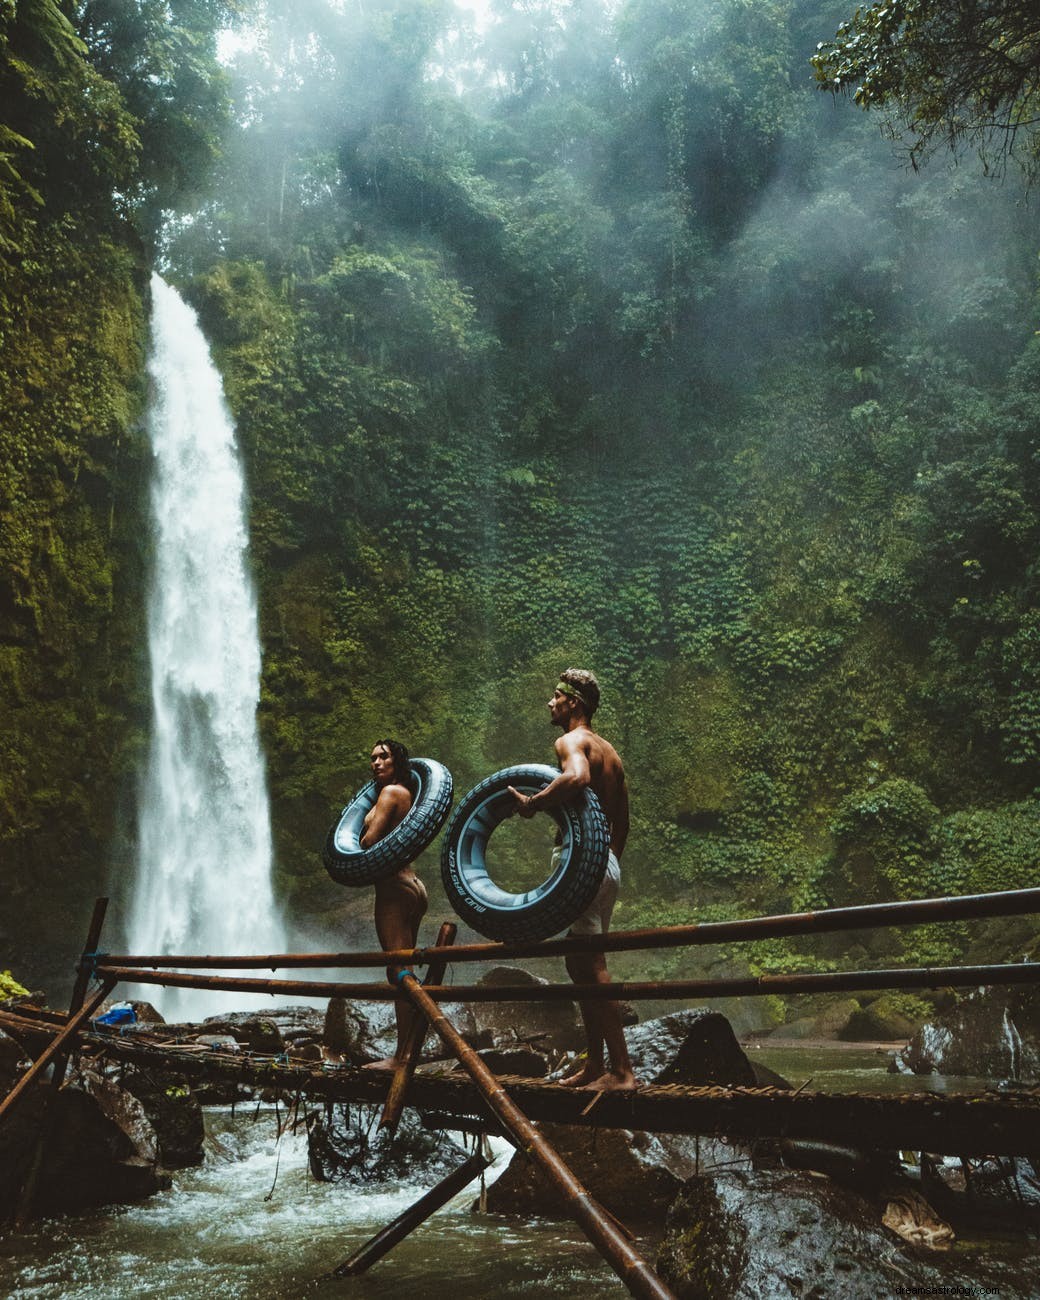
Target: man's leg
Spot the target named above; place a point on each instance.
(580, 967)
(603, 1029)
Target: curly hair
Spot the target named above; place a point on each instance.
(586, 686)
(402, 762)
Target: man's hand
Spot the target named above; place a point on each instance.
(523, 803)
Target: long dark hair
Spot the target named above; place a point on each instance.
(402, 762)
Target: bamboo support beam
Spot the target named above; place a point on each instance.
(914, 977)
(599, 1227)
(83, 973)
(57, 1046)
(921, 911)
(387, 1238)
(394, 1105)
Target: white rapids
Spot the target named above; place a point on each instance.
(203, 881)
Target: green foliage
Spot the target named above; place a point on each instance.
(960, 72)
(897, 824)
(10, 988)
(607, 345)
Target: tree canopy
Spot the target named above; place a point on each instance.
(953, 72)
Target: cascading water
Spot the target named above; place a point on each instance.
(204, 839)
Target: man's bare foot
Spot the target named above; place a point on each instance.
(613, 1081)
(390, 1063)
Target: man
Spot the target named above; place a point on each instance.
(587, 760)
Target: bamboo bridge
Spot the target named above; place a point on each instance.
(471, 1096)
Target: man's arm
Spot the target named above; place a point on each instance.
(388, 812)
(575, 775)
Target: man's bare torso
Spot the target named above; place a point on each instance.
(606, 777)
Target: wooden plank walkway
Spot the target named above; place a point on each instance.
(989, 1123)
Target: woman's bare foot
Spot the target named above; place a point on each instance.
(390, 1063)
(581, 1078)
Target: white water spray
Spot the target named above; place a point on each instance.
(204, 837)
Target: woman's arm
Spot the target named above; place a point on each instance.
(388, 811)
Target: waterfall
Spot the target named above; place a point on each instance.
(203, 882)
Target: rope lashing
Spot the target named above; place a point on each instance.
(90, 961)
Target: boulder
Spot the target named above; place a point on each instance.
(524, 1062)
(885, 1019)
(174, 1113)
(830, 1021)
(768, 1235)
(99, 1148)
(344, 1146)
(993, 1033)
(696, 1046)
(554, 1026)
(637, 1175)
(12, 1056)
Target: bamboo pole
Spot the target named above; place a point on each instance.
(387, 1238)
(915, 977)
(393, 1107)
(599, 1227)
(921, 911)
(56, 1046)
(84, 970)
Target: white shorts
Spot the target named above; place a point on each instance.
(596, 917)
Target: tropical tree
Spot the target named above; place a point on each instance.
(953, 72)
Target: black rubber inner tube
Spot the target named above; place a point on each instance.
(570, 885)
(349, 864)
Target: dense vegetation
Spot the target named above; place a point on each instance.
(589, 340)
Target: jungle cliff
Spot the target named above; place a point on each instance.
(636, 354)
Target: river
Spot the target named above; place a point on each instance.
(252, 1224)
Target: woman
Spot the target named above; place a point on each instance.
(401, 900)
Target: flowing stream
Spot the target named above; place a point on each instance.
(204, 837)
(251, 1224)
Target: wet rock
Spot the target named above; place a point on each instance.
(146, 1014)
(522, 1061)
(994, 1033)
(999, 1193)
(697, 1047)
(12, 1055)
(846, 1164)
(218, 1042)
(884, 1019)
(100, 1148)
(772, 1236)
(344, 1145)
(767, 1078)
(369, 1033)
(636, 1175)
(257, 1033)
(545, 1025)
(174, 1112)
(831, 1021)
